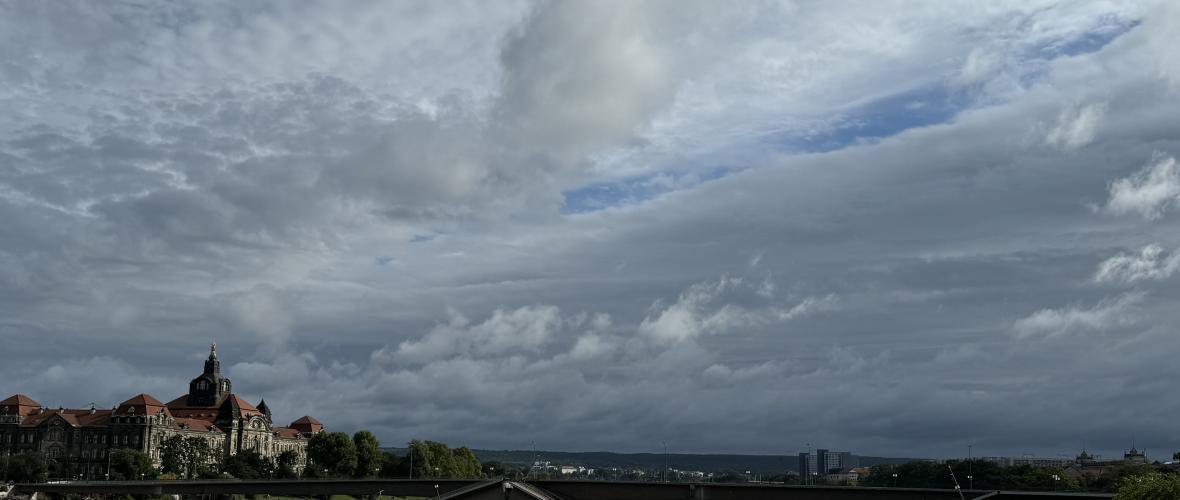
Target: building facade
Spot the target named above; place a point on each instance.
(77, 442)
(824, 462)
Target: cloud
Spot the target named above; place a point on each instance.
(1076, 126)
(724, 306)
(1106, 314)
(313, 185)
(1150, 192)
(525, 329)
(810, 306)
(1151, 263)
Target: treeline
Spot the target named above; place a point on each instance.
(335, 455)
(985, 475)
(329, 455)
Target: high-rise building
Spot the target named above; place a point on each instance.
(823, 462)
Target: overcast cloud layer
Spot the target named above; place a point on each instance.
(889, 228)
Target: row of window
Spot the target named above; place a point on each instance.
(16, 438)
(58, 435)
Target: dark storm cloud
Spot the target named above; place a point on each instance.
(364, 208)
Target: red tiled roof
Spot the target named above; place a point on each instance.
(243, 404)
(287, 432)
(20, 404)
(141, 404)
(19, 399)
(143, 399)
(198, 412)
(98, 418)
(307, 420)
(42, 417)
(76, 417)
(307, 425)
(194, 423)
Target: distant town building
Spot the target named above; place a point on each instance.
(1085, 464)
(1059, 462)
(1092, 466)
(1135, 456)
(824, 462)
(78, 441)
(849, 475)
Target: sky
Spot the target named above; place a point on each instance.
(892, 228)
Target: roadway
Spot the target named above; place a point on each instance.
(499, 489)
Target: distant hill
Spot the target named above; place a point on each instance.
(774, 464)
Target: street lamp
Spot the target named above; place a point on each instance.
(665, 461)
(1055, 479)
(894, 479)
(970, 475)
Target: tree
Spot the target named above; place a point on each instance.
(1150, 486)
(465, 464)
(436, 460)
(285, 465)
(27, 467)
(391, 466)
(332, 453)
(249, 464)
(187, 457)
(129, 464)
(368, 454)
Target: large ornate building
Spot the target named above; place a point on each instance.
(77, 442)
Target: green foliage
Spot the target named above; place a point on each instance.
(131, 464)
(391, 466)
(368, 454)
(249, 464)
(494, 469)
(987, 476)
(285, 465)
(26, 468)
(1150, 486)
(188, 457)
(432, 459)
(333, 452)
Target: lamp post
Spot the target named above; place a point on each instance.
(665, 461)
(970, 476)
(894, 479)
(1055, 479)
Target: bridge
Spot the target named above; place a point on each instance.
(503, 489)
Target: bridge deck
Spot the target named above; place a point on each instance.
(446, 489)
